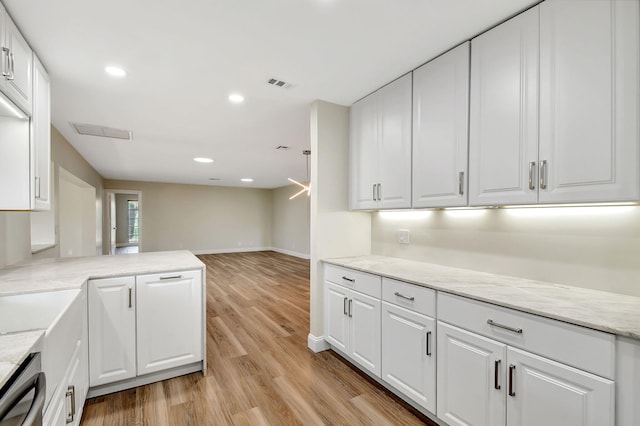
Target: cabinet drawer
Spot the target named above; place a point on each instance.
(581, 347)
(355, 280)
(410, 296)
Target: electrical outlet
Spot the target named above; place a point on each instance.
(403, 236)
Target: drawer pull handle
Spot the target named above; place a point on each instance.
(350, 305)
(71, 393)
(344, 305)
(351, 280)
(411, 299)
(496, 381)
(428, 344)
(512, 368)
(172, 277)
(130, 294)
(505, 327)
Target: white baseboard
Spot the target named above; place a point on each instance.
(291, 253)
(250, 249)
(317, 344)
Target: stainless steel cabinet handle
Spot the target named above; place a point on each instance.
(12, 68)
(512, 368)
(543, 174)
(379, 192)
(505, 327)
(130, 296)
(532, 168)
(5, 62)
(461, 183)
(71, 392)
(496, 381)
(373, 192)
(351, 280)
(344, 305)
(37, 187)
(428, 344)
(172, 277)
(411, 298)
(350, 305)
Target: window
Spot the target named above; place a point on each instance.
(134, 221)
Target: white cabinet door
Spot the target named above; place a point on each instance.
(20, 67)
(336, 320)
(363, 151)
(503, 143)
(112, 327)
(470, 378)
(41, 137)
(589, 82)
(169, 308)
(364, 334)
(440, 130)
(408, 354)
(544, 392)
(394, 144)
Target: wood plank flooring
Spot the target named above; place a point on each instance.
(260, 371)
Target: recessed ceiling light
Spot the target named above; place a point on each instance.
(115, 71)
(203, 160)
(236, 98)
(246, 180)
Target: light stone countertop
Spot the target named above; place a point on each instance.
(71, 273)
(610, 312)
(14, 348)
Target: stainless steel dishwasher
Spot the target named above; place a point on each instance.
(22, 397)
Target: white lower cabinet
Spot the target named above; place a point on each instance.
(353, 325)
(485, 382)
(112, 327)
(144, 324)
(408, 354)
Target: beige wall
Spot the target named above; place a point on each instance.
(15, 232)
(290, 221)
(335, 232)
(204, 219)
(591, 247)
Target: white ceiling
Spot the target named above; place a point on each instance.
(184, 58)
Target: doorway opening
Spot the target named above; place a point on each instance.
(124, 215)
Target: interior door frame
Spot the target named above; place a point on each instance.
(107, 195)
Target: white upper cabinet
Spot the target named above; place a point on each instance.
(41, 137)
(364, 153)
(380, 148)
(440, 130)
(16, 64)
(394, 145)
(503, 144)
(589, 52)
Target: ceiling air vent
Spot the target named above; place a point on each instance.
(278, 83)
(102, 131)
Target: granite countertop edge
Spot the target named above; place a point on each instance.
(610, 322)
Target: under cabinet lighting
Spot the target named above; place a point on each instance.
(246, 180)
(203, 160)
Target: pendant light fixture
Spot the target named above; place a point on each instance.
(305, 187)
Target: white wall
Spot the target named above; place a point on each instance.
(290, 221)
(77, 216)
(204, 219)
(591, 247)
(335, 232)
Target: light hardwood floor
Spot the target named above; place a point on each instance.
(260, 371)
